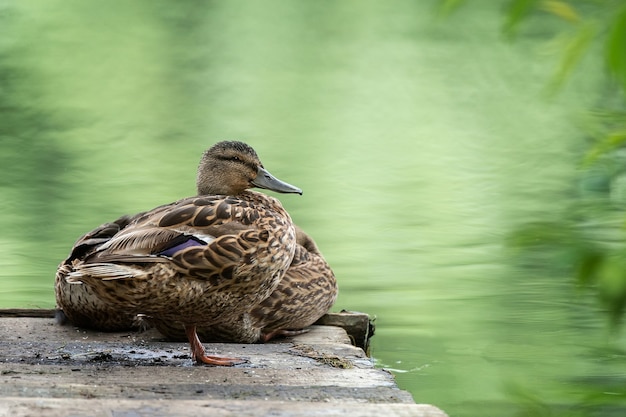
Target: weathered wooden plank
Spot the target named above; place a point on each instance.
(359, 326)
(48, 369)
(60, 407)
(27, 312)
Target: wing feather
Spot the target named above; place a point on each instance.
(103, 271)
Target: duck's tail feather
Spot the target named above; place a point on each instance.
(104, 271)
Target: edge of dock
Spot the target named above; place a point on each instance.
(52, 370)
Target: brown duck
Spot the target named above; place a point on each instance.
(214, 262)
(199, 261)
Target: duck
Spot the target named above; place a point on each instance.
(306, 292)
(198, 261)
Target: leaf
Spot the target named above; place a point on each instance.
(616, 48)
(541, 234)
(447, 7)
(517, 11)
(612, 287)
(574, 48)
(612, 141)
(561, 9)
(588, 267)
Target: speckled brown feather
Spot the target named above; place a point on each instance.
(79, 303)
(240, 266)
(305, 293)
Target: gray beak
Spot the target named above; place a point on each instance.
(269, 182)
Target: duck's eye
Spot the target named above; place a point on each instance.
(236, 158)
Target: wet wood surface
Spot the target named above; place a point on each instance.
(52, 370)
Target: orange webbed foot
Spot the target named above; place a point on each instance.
(218, 360)
(199, 354)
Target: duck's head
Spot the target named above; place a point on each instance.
(230, 167)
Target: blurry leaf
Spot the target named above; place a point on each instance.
(516, 12)
(608, 128)
(447, 7)
(530, 401)
(616, 48)
(612, 141)
(609, 117)
(561, 9)
(612, 287)
(573, 49)
(540, 233)
(588, 268)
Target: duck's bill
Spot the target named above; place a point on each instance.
(269, 182)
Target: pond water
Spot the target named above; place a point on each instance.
(421, 145)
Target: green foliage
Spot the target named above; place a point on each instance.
(574, 247)
(602, 267)
(561, 9)
(616, 47)
(610, 276)
(448, 6)
(574, 46)
(613, 140)
(605, 400)
(602, 22)
(517, 11)
(588, 26)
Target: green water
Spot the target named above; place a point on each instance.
(419, 144)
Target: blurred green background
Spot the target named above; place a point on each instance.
(454, 174)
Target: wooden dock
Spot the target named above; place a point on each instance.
(52, 370)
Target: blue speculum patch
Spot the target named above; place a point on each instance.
(187, 242)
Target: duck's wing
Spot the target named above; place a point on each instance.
(165, 230)
(95, 238)
(198, 237)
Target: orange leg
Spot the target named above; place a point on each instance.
(266, 337)
(199, 354)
